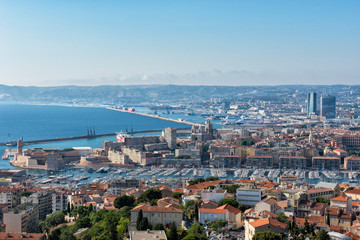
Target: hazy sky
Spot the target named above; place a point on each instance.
(179, 42)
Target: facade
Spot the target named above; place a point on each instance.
(59, 201)
(214, 195)
(263, 225)
(344, 202)
(328, 106)
(170, 137)
(156, 214)
(326, 193)
(292, 162)
(311, 104)
(227, 161)
(43, 198)
(23, 218)
(348, 140)
(248, 196)
(10, 196)
(326, 162)
(352, 163)
(263, 161)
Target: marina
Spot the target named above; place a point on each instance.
(71, 177)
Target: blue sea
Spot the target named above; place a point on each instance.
(33, 122)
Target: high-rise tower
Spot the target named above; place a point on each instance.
(328, 106)
(311, 104)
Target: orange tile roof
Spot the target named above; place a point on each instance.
(147, 208)
(203, 185)
(339, 198)
(353, 191)
(268, 221)
(318, 190)
(213, 210)
(230, 209)
(245, 181)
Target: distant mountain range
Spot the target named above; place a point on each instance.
(149, 94)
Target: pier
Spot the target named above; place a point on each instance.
(89, 136)
(158, 117)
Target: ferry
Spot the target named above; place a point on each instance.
(120, 137)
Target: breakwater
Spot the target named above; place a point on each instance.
(158, 117)
(88, 136)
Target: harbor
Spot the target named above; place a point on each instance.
(73, 177)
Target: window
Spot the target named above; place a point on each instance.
(158, 214)
(164, 214)
(170, 215)
(175, 214)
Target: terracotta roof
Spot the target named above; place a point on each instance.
(326, 158)
(230, 209)
(147, 208)
(297, 157)
(260, 156)
(318, 190)
(212, 210)
(268, 221)
(266, 213)
(339, 198)
(352, 236)
(353, 191)
(335, 228)
(245, 181)
(203, 185)
(340, 150)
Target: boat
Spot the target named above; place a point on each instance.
(120, 137)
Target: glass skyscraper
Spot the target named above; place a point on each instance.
(328, 106)
(311, 104)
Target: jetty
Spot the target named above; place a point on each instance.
(92, 136)
(158, 117)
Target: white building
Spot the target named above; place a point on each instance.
(248, 196)
(214, 195)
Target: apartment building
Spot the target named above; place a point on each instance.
(23, 218)
(292, 162)
(156, 214)
(326, 162)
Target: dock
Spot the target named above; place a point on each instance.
(92, 136)
(158, 117)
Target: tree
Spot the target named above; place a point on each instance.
(231, 188)
(177, 195)
(218, 224)
(159, 226)
(281, 217)
(322, 235)
(196, 212)
(173, 235)
(144, 224)
(251, 142)
(196, 230)
(211, 178)
(306, 226)
(266, 236)
(196, 181)
(139, 219)
(244, 143)
(68, 207)
(229, 201)
(328, 218)
(124, 200)
(150, 194)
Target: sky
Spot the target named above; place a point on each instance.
(192, 42)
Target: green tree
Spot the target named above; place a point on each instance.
(266, 236)
(150, 194)
(307, 229)
(231, 188)
(144, 224)
(177, 195)
(192, 236)
(172, 233)
(139, 219)
(124, 200)
(281, 217)
(196, 181)
(211, 178)
(328, 218)
(251, 142)
(218, 224)
(159, 226)
(229, 201)
(244, 143)
(196, 230)
(322, 235)
(68, 207)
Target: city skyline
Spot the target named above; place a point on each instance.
(186, 43)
